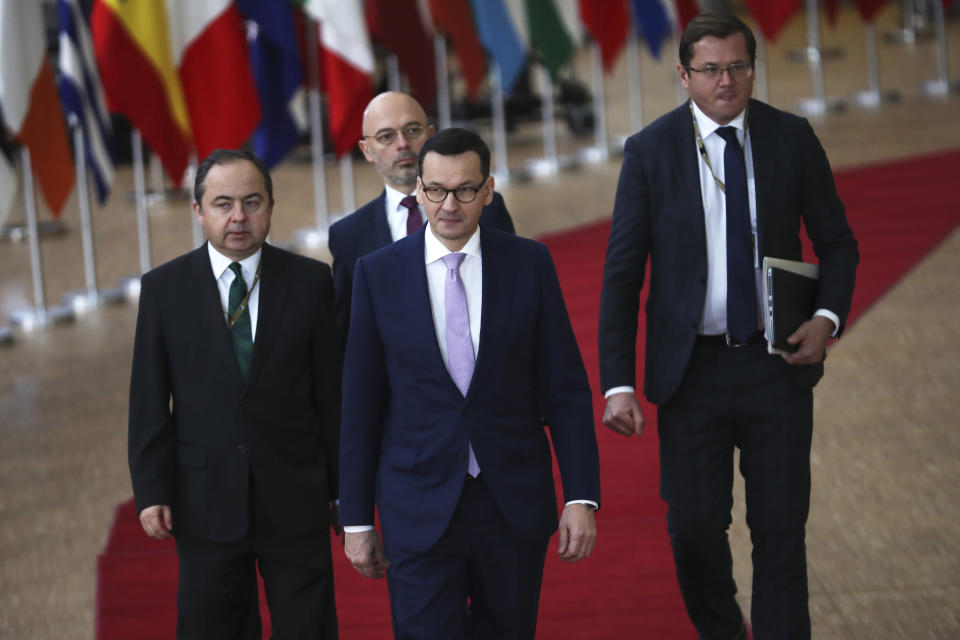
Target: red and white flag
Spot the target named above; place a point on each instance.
(208, 41)
(30, 102)
(347, 67)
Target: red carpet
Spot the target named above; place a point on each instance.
(899, 212)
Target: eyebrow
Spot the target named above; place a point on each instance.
(403, 126)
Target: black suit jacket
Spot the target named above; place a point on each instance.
(366, 230)
(658, 213)
(197, 430)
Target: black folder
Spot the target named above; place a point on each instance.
(790, 295)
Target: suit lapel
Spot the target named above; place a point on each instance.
(686, 161)
(379, 234)
(204, 301)
(499, 271)
(274, 288)
(763, 149)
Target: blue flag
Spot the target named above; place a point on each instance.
(82, 93)
(499, 37)
(653, 23)
(275, 58)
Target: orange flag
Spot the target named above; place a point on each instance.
(30, 102)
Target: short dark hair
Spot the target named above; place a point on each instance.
(453, 142)
(718, 25)
(228, 156)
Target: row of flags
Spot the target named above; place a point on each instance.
(194, 75)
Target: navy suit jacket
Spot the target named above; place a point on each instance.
(405, 425)
(366, 230)
(658, 213)
(281, 424)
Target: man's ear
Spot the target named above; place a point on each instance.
(198, 210)
(420, 196)
(684, 76)
(363, 149)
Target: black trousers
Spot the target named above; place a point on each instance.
(738, 397)
(217, 586)
(477, 582)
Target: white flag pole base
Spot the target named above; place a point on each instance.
(34, 319)
(129, 288)
(814, 55)
(21, 231)
(310, 238)
(84, 301)
(817, 107)
(941, 88)
(872, 99)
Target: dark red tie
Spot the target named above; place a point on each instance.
(414, 221)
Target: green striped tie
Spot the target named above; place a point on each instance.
(240, 332)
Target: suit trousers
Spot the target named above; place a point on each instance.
(217, 588)
(744, 398)
(477, 582)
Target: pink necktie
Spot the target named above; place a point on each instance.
(414, 221)
(460, 358)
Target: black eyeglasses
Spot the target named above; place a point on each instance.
(464, 195)
(386, 137)
(737, 70)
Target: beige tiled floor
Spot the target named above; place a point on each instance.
(884, 530)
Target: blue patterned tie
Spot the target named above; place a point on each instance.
(460, 358)
(741, 285)
(240, 332)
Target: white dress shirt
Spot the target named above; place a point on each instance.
(224, 275)
(397, 213)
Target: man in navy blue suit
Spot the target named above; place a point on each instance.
(460, 348)
(705, 193)
(394, 129)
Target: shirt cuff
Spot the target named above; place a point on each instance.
(357, 528)
(614, 390)
(590, 503)
(830, 315)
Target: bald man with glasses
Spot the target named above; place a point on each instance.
(394, 130)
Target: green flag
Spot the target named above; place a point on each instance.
(548, 34)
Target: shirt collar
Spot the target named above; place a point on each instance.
(708, 126)
(435, 250)
(221, 263)
(394, 197)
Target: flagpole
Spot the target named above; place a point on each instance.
(762, 86)
(196, 230)
(601, 150)
(914, 26)
(634, 81)
(90, 297)
(130, 285)
(443, 82)
(941, 85)
(819, 104)
(393, 73)
(313, 237)
(501, 173)
(346, 184)
(873, 97)
(548, 165)
(40, 315)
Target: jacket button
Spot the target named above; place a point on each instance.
(242, 448)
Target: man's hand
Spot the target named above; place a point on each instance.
(157, 521)
(578, 532)
(623, 414)
(812, 337)
(365, 553)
